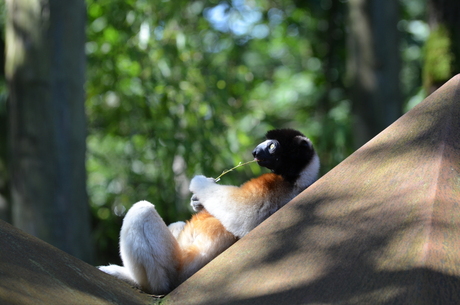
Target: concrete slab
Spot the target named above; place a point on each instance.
(383, 227)
(34, 272)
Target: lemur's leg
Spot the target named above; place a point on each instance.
(149, 251)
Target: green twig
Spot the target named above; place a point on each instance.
(229, 170)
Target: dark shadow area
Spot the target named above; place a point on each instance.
(394, 288)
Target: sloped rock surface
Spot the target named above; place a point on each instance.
(34, 272)
(383, 227)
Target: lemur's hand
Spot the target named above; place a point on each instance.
(196, 204)
(200, 183)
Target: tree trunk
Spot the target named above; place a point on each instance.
(45, 69)
(374, 66)
(4, 186)
(442, 49)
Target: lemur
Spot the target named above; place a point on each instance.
(157, 258)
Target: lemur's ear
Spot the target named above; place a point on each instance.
(303, 141)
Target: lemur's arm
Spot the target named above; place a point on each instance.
(239, 209)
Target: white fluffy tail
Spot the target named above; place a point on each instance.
(149, 250)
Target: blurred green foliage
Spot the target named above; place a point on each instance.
(414, 31)
(178, 88)
(439, 62)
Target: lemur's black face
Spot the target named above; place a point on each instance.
(267, 153)
(286, 152)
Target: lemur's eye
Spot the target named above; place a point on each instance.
(272, 146)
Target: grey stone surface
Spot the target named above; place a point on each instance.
(34, 272)
(383, 227)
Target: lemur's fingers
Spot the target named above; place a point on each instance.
(195, 203)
